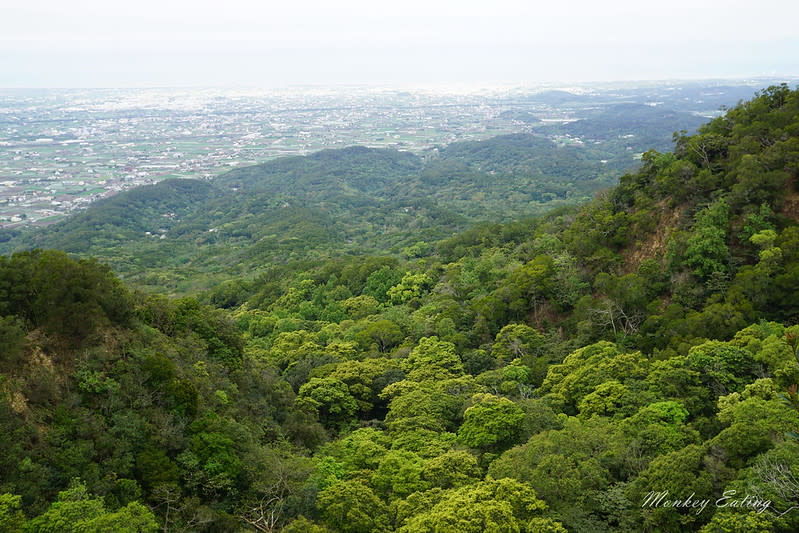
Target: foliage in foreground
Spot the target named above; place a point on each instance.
(572, 373)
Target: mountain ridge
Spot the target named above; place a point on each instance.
(360, 197)
(546, 374)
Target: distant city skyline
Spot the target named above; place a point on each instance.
(89, 43)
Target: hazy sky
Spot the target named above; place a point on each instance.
(108, 43)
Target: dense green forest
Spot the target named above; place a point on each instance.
(181, 236)
(627, 365)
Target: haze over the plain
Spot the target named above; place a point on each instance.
(93, 43)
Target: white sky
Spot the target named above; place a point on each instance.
(109, 43)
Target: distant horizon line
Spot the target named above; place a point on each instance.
(415, 85)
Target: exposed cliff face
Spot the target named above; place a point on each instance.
(653, 246)
(790, 207)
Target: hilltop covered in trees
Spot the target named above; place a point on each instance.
(181, 235)
(538, 375)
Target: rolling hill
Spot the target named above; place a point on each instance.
(558, 373)
(358, 199)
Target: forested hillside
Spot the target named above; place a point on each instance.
(621, 122)
(627, 365)
(185, 235)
